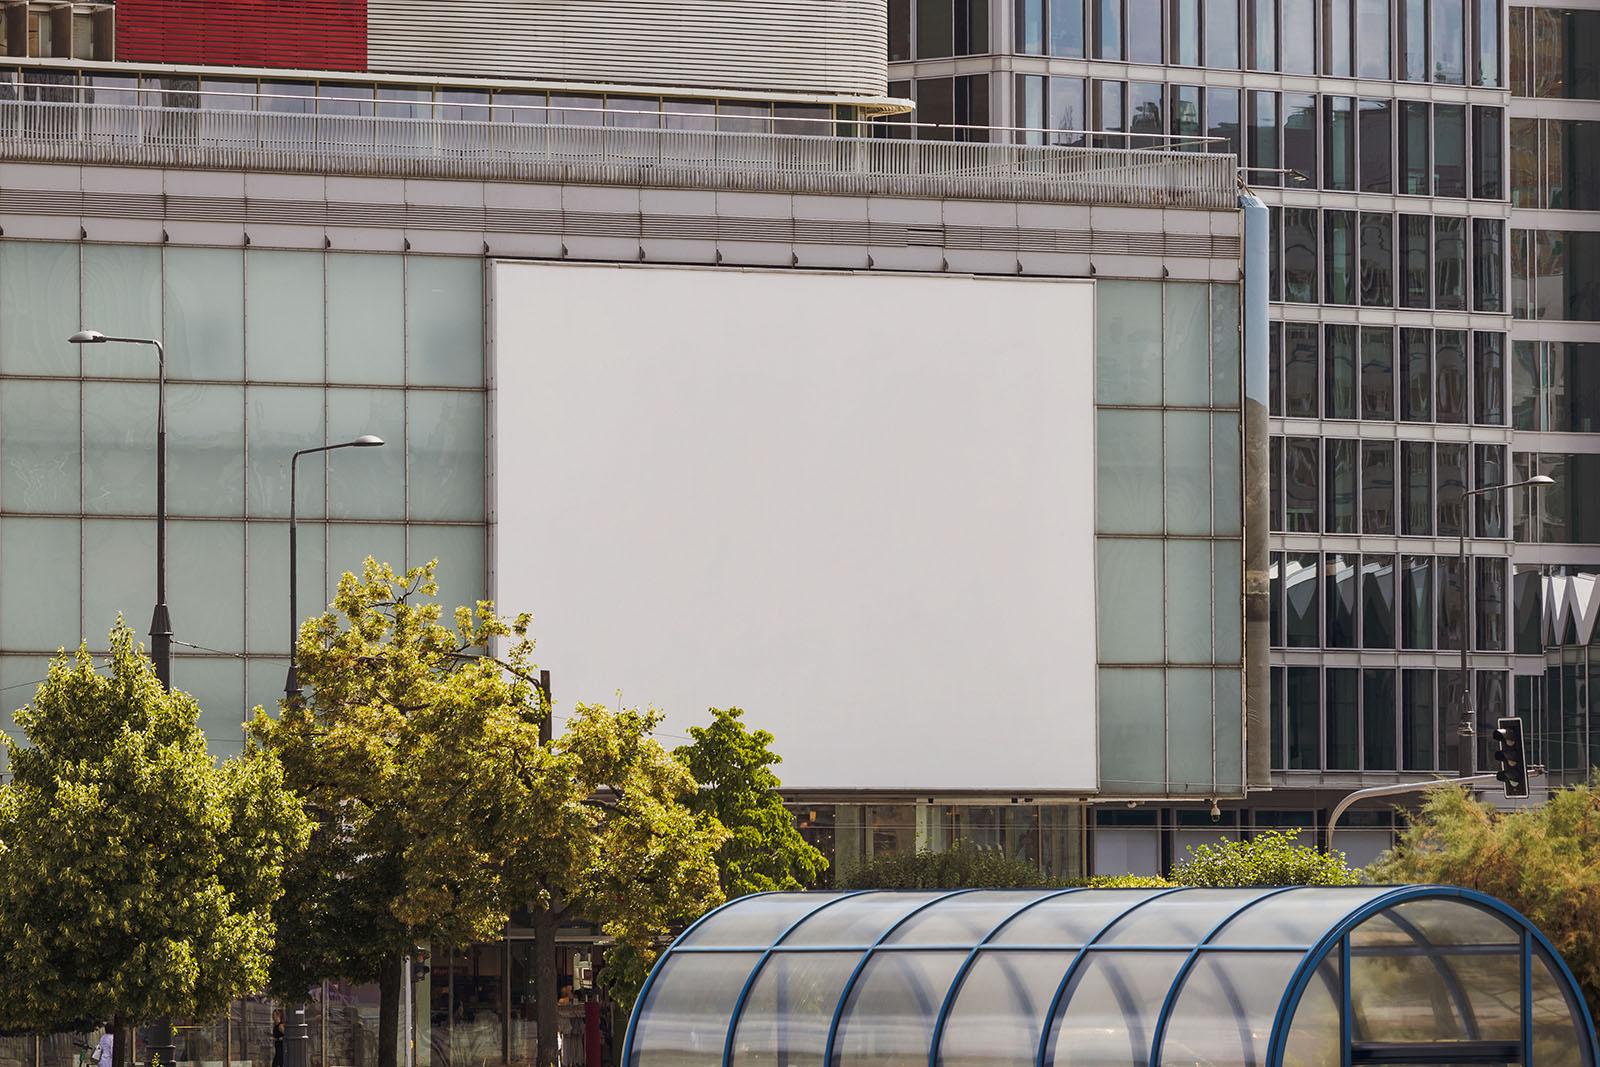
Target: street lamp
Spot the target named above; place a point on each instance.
(160, 621)
(291, 686)
(1466, 733)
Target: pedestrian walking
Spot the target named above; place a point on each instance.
(277, 1037)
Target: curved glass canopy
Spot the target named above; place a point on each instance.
(1261, 977)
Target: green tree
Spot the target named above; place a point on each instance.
(136, 875)
(439, 806)
(962, 866)
(1543, 860)
(733, 767)
(1270, 858)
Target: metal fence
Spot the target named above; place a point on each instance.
(373, 146)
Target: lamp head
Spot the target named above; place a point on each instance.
(367, 440)
(1541, 480)
(87, 337)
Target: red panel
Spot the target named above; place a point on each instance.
(308, 34)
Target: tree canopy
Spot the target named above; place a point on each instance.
(440, 807)
(136, 874)
(1543, 860)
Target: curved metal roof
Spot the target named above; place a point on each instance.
(1052, 978)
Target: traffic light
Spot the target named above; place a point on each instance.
(1512, 755)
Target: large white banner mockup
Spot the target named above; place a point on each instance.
(859, 506)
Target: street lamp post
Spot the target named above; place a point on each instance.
(161, 620)
(1466, 731)
(291, 686)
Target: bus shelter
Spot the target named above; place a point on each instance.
(1302, 976)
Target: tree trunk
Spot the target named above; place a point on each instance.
(544, 988)
(119, 1047)
(389, 979)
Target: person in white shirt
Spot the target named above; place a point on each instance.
(103, 1051)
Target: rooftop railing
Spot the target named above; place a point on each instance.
(81, 132)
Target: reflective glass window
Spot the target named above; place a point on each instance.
(1144, 114)
(1449, 263)
(1375, 125)
(1339, 142)
(1029, 28)
(1263, 34)
(1339, 248)
(1263, 144)
(1066, 27)
(1489, 378)
(1108, 29)
(1299, 41)
(1129, 451)
(119, 467)
(1337, 37)
(1414, 40)
(1377, 601)
(1372, 39)
(1523, 142)
(39, 309)
(1099, 1022)
(888, 1019)
(1487, 156)
(1488, 265)
(1188, 472)
(1222, 34)
(1450, 371)
(1223, 1013)
(1109, 117)
(1300, 133)
(1416, 502)
(1378, 719)
(1377, 259)
(1377, 489)
(1301, 484)
(1222, 121)
(933, 29)
(1340, 475)
(1339, 372)
(370, 485)
(1300, 254)
(1186, 33)
(1377, 372)
(1128, 343)
(1525, 397)
(1416, 261)
(205, 454)
(1449, 150)
(40, 458)
(858, 920)
(1416, 732)
(999, 1012)
(1415, 132)
(1131, 572)
(444, 321)
(1416, 383)
(1144, 31)
(1343, 718)
(1450, 466)
(684, 1018)
(1447, 43)
(1300, 369)
(1339, 592)
(44, 563)
(1487, 57)
(1302, 599)
(283, 297)
(785, 1019)
(365, 318)
(121, 295)
(1302, 706)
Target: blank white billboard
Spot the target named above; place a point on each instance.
(859, 506)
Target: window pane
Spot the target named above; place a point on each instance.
(119, 454)
(1417, 506)
(1378, 720)
(1300, 41)
(1144, 114)
(1132, 707)
(1488, 265)
(889, 1016)
(1449, 149)
(1302, 599)
(1227, 584)
(1337, 35)
(1344, 722)
(1300, 253)
(205, 313)
(1488, 38)
(1450, 363)
(445, 445)
(1222, 120)
(1417, 720)
(1377, 259)
(1451, 467)
(1372, 39)
(1128, 461)
(1225, 345)
(459, 550)
(1188, 592)
(1340, 373)
(1489, 378)
(1130, 588)
(1300, 369)
(1222, 34)
(1301, 483)
(1417, 602)
(1340, 473)
(1377, 487)
(41, 560)
(1144, 31)
(1302, 706)
(1300, 132)
(1186, 33)
(39, 309)
(1226, 475)
(1490, 607)
(1188, 472)
(283, 316)
(1339, 587)
(1416, 261)
(1030, 22)
(1416, 397)
(1067, 110)
(1128, 343)
(40, 448)
(1263, 146)
(934, 29)
(121, 296)
(1448, 44)
(1341, 256)
(213, 560)
(1524, 146)
(371, 485)
(1263, 34)
(1450, 273)
(205, 450)
(1066, 28)
(444, 320)
(366, 319)
(118, 576)
(1377, 602)
(267, 586)
(1377, 372)
(1108, 29)
(1415, 132)
(1340, 142)
(1525, 385)
(1487, 157)
(1375, 119)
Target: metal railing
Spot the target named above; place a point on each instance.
(378, 146)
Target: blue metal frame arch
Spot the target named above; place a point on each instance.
(850, 983)
(1188, 964)
(1401, 894)
(1077, 962)
(966, 965)
(749, 983)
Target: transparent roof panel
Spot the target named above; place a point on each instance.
(786, 1017)
(998, 1013)
(964, 919)
(889, 1019)
(1313, 1039)
(858, 921)
(684, 1019)
(1111, 1007)
(1559, 1038)
(1452, 921)
(755, 921)
(1181, 918)
(1296, 918)
(1072, 918)
(1223, 1015)
(1397, 997)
